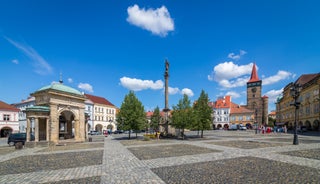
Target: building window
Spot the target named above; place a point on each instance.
(6, 117)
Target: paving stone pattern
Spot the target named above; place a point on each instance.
(219, 157)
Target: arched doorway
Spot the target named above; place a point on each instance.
(110, 128)
(219, 126)
(5, 131)
(98, 128)
(308, 125)
(316, 125)
(66, 125)
(226, 126)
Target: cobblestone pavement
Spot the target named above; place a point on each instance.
(219, 157)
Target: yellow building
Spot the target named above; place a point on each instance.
(309, 97)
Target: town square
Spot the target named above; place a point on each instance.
(159, 92)
(219, 157)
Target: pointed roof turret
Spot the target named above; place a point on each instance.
(254, 74)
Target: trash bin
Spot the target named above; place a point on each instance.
(90, 139)
(18, 145)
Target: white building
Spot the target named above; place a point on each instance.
(9, 119)
(104, 114)
(89, 111)
(221, 112)
(30, 102)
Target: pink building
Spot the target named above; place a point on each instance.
(9, 119)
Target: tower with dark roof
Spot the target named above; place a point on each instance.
(255, 101)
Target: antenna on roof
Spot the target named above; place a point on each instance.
(61, 81)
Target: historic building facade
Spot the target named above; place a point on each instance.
(58, 114)
(9, 120)
(221, 112)
(309, 107)
(103, 114)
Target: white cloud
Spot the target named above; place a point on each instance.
(230, 75)
(187, 91)
(158, 21)
(70, 80)
(229, 70)
(281, 75)
(273, 95)
(236, 56)
(173, 91)
(86, 87)
(15, 61)
(138, 84)
(233, 94)
(41, 66)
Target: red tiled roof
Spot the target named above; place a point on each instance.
(99, 100)
(6, 107)
(272, 113)
(238, 109)
(222, 102)
(303, 79)
(254, 74)
(150, 113)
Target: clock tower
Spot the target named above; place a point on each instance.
(255, 102)
(254, 89)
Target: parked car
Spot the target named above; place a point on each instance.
(118, 132)
(94, 132)
(18, 137)
(241, 127)
(233, 127)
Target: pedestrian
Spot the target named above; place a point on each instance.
(158, 135)
(285, 129)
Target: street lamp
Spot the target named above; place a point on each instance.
(255, 118)
(295, 93)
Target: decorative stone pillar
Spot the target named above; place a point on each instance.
(54, 117)
(48, 130)
(36, 130)
(76, 130)
(28, 129)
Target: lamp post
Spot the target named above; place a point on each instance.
(255, 118)
(295, 93)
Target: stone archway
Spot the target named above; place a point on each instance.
(5, 131)
(110, 127)
(316, 125)
(99, 127)
(226, 126)
(66, 125)
(219, 126)
(308, 125)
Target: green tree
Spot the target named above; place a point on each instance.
(155, 119)
(131, 115)
(203, 113)
(182, 114)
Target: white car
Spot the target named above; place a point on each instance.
(241, 127)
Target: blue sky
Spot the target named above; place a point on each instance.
(107, 48)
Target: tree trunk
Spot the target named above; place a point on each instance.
(182, 134)
(129, 134)
(201, 133)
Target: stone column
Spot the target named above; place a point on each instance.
(48, 130)
(28, 129)
(36, 130)
(76, 130)
(54, 125)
